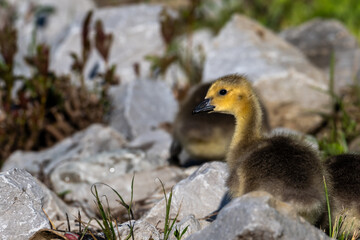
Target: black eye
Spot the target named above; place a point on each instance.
(222, 92)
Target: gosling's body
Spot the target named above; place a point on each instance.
(204, 137)
(344, 171)
(280, 165)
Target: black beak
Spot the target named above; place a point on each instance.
(204, 106)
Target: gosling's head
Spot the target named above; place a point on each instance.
(231, 94)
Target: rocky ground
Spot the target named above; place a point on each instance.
(285, 68)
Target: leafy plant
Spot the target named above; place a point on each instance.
(47, 107)
(174, 30)
(103, 42)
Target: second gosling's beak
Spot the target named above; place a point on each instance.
(204, 106)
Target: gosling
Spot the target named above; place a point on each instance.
(204, 138)
(281, 165)
(344, 171)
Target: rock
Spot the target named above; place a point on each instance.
(21, 201)
(189, 222)
(78, 175)
(58, 211)
(47, 25)
(258, 215)
(141, 106)
(354, 146)
(156, 145)
(199, 194)
(115, 171)
(142, 230)
(279, 71)
(136, 34)
(95, 139)
(318, 39)
(2, 115)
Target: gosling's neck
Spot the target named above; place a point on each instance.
(247, 130)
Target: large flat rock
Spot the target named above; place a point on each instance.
(94, 139)
(21, 202)
(116, 170)
(258, 215)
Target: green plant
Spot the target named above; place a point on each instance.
(48, 107)
(327, 204)
(169, 224)
(103, 42)
(340, 230)
(174, 31)
(108, 221)
(341, 125)
(179, 235)
(280, 14)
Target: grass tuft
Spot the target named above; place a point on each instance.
(108, 221)
(340, 125)
(169, 224)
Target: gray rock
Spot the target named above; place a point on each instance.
(21, 201)
(318, 39)
(156, 145)
(17, 183)
(95, 139)
(78, 175)
(258, 215)
(136, 34)
(47, 27)
(189, 222)
(58, 211)
(141, 106)
(142, 230)
(354, 146)
(199, 194)
(280, 72)
(78, 178)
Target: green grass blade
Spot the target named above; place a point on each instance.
(122, 202)
(184, 231)
(107, 226)
(328, 204)
(85, 230)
